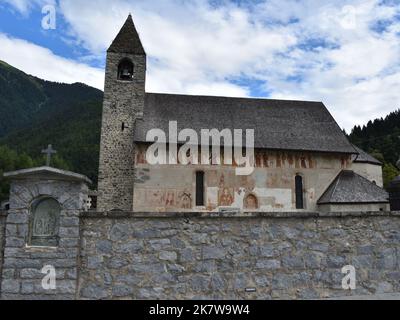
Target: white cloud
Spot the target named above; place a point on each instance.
(195, 48)
(192, 46)
(41, 62)
(359, 79)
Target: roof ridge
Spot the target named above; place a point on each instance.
(336, 182)
(228, 97)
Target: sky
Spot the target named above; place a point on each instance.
(343, 53)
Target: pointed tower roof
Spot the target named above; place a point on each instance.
(127, 40)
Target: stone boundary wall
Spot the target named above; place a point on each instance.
(122, 255)
(213, 256)
(3, 216)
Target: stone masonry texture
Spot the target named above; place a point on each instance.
(2, 238)
(218, 258)
(205, 256)
(22, 265)
(123, 105)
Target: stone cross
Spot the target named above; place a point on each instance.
(49, 152)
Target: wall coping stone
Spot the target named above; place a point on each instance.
(196, 215)
(46, 172)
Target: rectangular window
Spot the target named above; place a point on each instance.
(200, 189)
(299, 193)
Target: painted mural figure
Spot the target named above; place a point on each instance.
(226, 198)
(141, 156)
(170, 200)
(251, 202)
(155, 197)
(186, 201)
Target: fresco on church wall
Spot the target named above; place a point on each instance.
(251, 202)
(226, 197)
(164, 199)
(169, 199)
(271, 186)
(185, 200)
(275, 159)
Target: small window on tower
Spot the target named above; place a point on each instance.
(125, 70)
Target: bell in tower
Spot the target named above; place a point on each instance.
(125, 70)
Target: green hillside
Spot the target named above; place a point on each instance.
(35, 113)
(21, 97)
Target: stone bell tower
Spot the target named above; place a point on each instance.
(123, 104)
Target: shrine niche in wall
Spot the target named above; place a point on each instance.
(44, 225)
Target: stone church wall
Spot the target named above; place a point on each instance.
(281, 255)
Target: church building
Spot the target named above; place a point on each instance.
(202, 225)
(303, 162)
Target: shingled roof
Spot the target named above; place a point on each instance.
(127, 40)
(278, 124)
(351, 188)
(364, 157)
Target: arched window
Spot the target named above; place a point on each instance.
(251, 202)
(299, 192)
(125, 70)
(44, 224)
